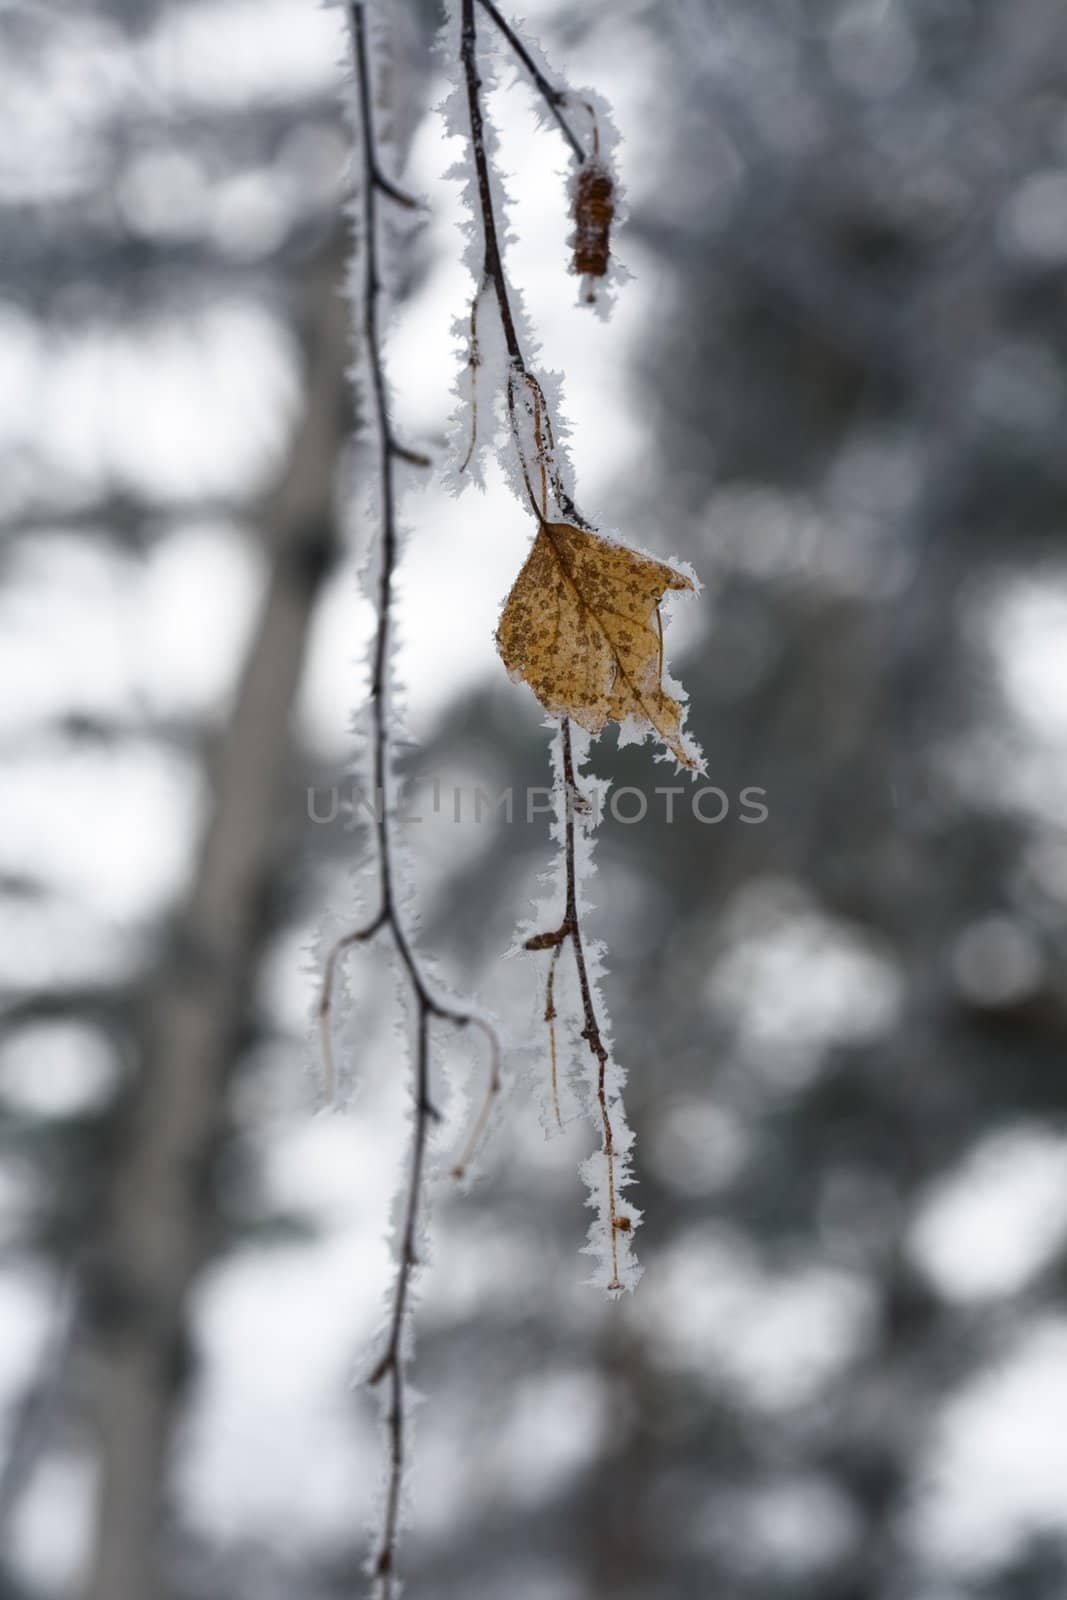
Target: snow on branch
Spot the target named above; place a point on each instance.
(582, 625)
(390, 917)
(608, 1173)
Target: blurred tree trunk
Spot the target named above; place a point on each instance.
(158, 1230)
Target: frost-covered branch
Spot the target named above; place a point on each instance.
(392, 1365)
(493, 268)
(529, 410)
(582, 623)
(555, 99)
(570, 931)
(594, 185)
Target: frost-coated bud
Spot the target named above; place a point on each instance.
(594, 210)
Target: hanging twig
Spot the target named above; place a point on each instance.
(393, 1362)
(594, 197)
(570, 930)
(493, 274)
(493, 265)
(554, 98)
(550, 1018)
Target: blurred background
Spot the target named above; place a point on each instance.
(836, 386)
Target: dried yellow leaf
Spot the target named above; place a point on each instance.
(581, 626)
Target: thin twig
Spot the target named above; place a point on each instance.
(570, 929)
(493, 265)
(478, 1127)
(554, 98)
(393, 1361)
(493, 261)
(550, 1018)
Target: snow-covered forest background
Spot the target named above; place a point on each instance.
(836, 386)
